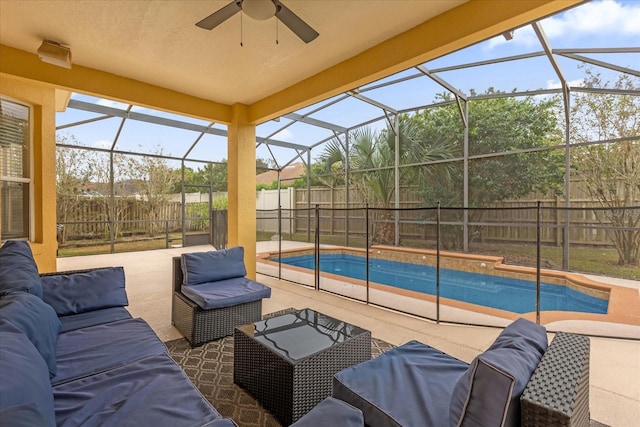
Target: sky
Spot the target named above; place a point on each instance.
(607, 23)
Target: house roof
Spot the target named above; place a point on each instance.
(287, 174)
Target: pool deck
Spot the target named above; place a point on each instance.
(615, 363)
(622, 319)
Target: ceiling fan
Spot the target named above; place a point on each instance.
(261, 10)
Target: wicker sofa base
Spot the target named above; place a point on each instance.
(201, 326)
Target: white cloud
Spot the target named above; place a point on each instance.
(599, 18)
(523, 36)
(555, 84)
(103, 143)
(284, 135)
(138, 109)
(112, 104)
(121, 105)
(596, 18)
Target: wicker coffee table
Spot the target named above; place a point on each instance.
(287, 362)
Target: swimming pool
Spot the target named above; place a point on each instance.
(504, 293)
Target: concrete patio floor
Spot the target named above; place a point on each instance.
(615, 363)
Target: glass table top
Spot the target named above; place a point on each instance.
(300, 334)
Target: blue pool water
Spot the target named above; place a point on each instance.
(515, 295)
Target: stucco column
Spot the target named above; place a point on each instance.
(42, 98)
(241, 169)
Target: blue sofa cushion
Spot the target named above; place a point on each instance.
(23, 416)
(72, 322)
(489, 392)
(80, 292)
(25, 378)
(18, 269)
(522, 334)
(95, 349)
(204, 267)
(37, 320)
(332, 412)
(226, 293)
(152, 391)
(410, 385)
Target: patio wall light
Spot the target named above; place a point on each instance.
(54, 53)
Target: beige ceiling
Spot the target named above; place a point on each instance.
(158, 42)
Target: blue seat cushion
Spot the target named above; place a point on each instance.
(332, 412)
(37, 320)
(18, 269)
(80, 292)
(489, 392)
(92, 318)
(226, 293)
(204, 267)
(152, 391)
(95, 349)
(23, 416)
(25, 390)
(410, 385)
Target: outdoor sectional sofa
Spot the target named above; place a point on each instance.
(72, 355)
(518, 381)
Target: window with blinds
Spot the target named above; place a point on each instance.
(15, 174)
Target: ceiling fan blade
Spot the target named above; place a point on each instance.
(221, 15)
(295, 24)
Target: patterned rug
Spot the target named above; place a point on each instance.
(210, 368)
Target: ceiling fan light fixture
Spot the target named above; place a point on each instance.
(259, 9)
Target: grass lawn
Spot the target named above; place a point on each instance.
(598, 261)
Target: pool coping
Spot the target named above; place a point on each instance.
(623, 307)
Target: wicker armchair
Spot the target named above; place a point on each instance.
(200, 326)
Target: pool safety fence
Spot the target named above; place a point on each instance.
(534, 244)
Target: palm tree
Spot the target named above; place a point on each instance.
(372, 158)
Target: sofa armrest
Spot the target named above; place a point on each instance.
(558, 392)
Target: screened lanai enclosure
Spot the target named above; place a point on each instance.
(520, 151)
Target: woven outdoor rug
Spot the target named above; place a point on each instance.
(210, 368)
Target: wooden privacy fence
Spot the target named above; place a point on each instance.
(89, 217)
(496, 225)
(506, 221)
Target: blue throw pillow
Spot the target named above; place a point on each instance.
(204, 267)
(25, 380)
(37, 320)
(482, 396)
(489, 392)
(75, 293)
(18, 269)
